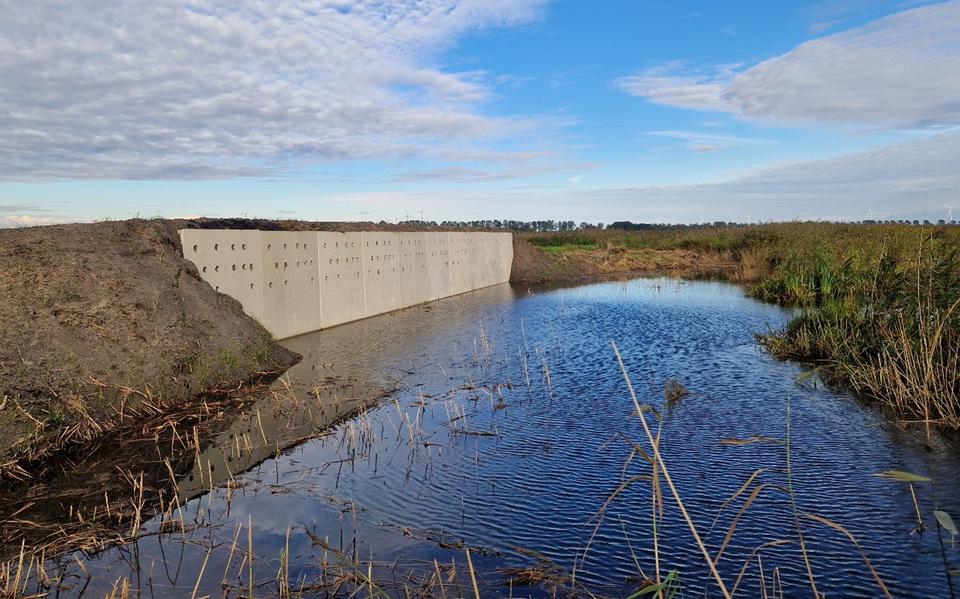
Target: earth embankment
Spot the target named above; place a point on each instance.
(101, 324)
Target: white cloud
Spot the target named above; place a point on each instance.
(701, 141)
(186, 89)
(899, 72)
(693, 90)
(26, 220)
(912, 179)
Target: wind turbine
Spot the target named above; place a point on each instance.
(949, 208)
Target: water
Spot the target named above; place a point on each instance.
(505, 424)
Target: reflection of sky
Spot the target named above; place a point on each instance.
(559, 454)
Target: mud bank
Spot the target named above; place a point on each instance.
(104, 324)
(532, 264)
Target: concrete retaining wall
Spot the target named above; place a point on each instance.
(298, 282)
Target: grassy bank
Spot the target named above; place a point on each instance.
(880, 304)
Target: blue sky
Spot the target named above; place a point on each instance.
(511, 109)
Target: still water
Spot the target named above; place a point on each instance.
(503, 424)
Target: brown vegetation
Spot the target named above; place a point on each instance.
(103, 324)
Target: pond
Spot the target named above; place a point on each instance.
(497, 455)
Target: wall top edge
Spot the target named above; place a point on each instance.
(191, 229)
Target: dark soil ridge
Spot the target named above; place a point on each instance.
(103, 324)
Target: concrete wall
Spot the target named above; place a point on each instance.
(296, 282)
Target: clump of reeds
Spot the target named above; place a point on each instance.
(887, 326)
(674, 392)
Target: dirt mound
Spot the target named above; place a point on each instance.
(102, 323)
(533, 265)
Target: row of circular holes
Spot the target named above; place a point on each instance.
(327, 277)
(243, 246)
(233, 267)
(286, 265)
(216, 247)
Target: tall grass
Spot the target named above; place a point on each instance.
(885, 325)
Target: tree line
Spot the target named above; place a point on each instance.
(563, 226)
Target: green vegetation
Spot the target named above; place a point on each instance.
(882, 320)
(879, 303)
(704, 238)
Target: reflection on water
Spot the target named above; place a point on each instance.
(504, 427)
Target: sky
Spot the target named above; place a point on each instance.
(650, 111)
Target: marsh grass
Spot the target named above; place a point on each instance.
(887, 326)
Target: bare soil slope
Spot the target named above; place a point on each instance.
(102, 323)
(531, 264)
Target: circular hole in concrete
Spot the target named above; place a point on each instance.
(195, 248)
(233, 247)
(216, 246)
(204, 269)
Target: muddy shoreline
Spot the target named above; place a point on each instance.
(531, 264)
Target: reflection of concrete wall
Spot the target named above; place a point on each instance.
(296, 282)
